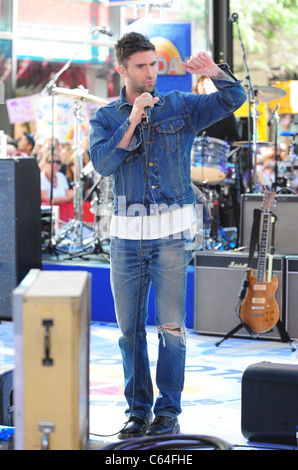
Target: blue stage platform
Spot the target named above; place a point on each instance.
(102, 304)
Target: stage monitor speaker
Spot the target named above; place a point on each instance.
(286, 225)
(291, 296)
(6, 398)
(269, 405)
(218, 278)
(20, 222)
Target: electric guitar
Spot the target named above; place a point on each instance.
(259, 309)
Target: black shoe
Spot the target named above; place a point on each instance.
(136, 427)
(163, 425)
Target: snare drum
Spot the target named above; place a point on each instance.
(209, 158)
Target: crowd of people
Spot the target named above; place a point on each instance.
(63, 155)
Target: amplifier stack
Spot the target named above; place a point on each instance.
(219, 274)
(286, 226)
(218, 278)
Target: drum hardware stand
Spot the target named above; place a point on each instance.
(76, 225)
(253, 143)
(214, 207)
(292, 157)
(52, 247)
(285, 338)
(95, 243)
(290, 187)
(49, 88)
(96, 249)
(252, 114)
(204, 134)
(275, 117)
(90, 191)
(235, 158)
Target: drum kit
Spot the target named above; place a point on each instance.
(74, 230)
(214, 174)
(77, 237)
(217, 178)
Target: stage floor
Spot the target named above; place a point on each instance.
(212, 396)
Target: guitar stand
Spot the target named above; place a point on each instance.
(230, 334)
(284, 336)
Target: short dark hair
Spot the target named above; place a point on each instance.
(129, 44)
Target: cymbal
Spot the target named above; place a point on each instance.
(245, 143)
(268, 93)
(79, 93)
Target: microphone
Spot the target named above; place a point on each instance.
(273, 114)
(103, 30)
(234, 17)
(148, 114)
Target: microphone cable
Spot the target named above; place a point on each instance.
(146, 149)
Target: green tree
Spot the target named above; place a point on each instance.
(262, 24)
(268, 19)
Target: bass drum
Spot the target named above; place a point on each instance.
(209, 158)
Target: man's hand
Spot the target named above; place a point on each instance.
(139, 107)
(202, 64)
(137, 113)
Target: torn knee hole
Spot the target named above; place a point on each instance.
(173, 328)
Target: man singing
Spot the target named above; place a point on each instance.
(144, 140)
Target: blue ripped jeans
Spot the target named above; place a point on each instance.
(164, 264)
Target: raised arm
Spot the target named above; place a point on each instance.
(201, 64)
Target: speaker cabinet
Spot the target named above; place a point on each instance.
(6, 398)
(269, 406)
(286, 225)
(291, 296)
(51, 312)
(20, 222)
(218, 278)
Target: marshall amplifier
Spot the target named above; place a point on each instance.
(218, 279)
(286, 225)
(291, 296)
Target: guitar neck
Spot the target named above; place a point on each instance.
(263, 247)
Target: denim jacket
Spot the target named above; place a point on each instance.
(154, 170)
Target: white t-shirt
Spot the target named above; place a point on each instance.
(61, 187)
(154, 226)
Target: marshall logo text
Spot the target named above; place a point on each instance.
(233, 264)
